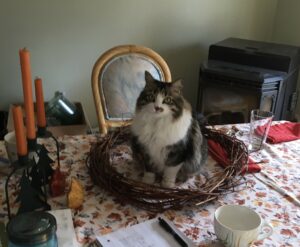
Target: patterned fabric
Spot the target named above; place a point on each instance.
(102, 213)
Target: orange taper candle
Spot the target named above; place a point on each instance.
(40, 107)
(27, 92)
(19, 131)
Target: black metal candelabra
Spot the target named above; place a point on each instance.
(42, 132)
(35, 175)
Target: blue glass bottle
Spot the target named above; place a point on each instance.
(33, 229)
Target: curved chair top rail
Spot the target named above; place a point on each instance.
(99, 68)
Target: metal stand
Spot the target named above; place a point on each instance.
(26, 162)
(23, 163)
(42, 132)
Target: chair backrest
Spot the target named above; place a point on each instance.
(118, 79)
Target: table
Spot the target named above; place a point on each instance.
(101, 213)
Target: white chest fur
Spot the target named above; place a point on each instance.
(155, 133)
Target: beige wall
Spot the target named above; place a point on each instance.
(66, 37)
(286, 24)
(286, 28)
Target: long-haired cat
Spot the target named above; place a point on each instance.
(166, 138)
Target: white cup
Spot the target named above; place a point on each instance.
(239, 226)
(11, 146)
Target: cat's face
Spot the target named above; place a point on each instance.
(161, 98)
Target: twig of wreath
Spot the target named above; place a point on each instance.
(157, 199)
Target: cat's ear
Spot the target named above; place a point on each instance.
(150, 81)
(148, 77)
(176, 86)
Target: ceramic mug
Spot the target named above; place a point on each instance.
(11, 146)
(239, 226)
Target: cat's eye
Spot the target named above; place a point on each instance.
(168, 100)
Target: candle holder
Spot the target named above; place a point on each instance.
(42, 132)
(35, 176)
(30, 195)
(32, 145)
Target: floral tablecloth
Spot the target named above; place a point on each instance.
(102, 213)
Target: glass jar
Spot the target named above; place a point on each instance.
(61, 111)
(34, 229)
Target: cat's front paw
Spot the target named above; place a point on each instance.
(148, 178)
(168, 183)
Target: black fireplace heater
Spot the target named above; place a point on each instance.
(241, 75)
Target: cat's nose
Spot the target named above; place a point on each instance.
(158, 109)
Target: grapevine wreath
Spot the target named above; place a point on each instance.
(153, 197)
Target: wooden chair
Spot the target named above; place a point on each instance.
(118, 79)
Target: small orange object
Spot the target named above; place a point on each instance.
(75, 195)
(40, 107)
(19, 131)
(27, 92)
